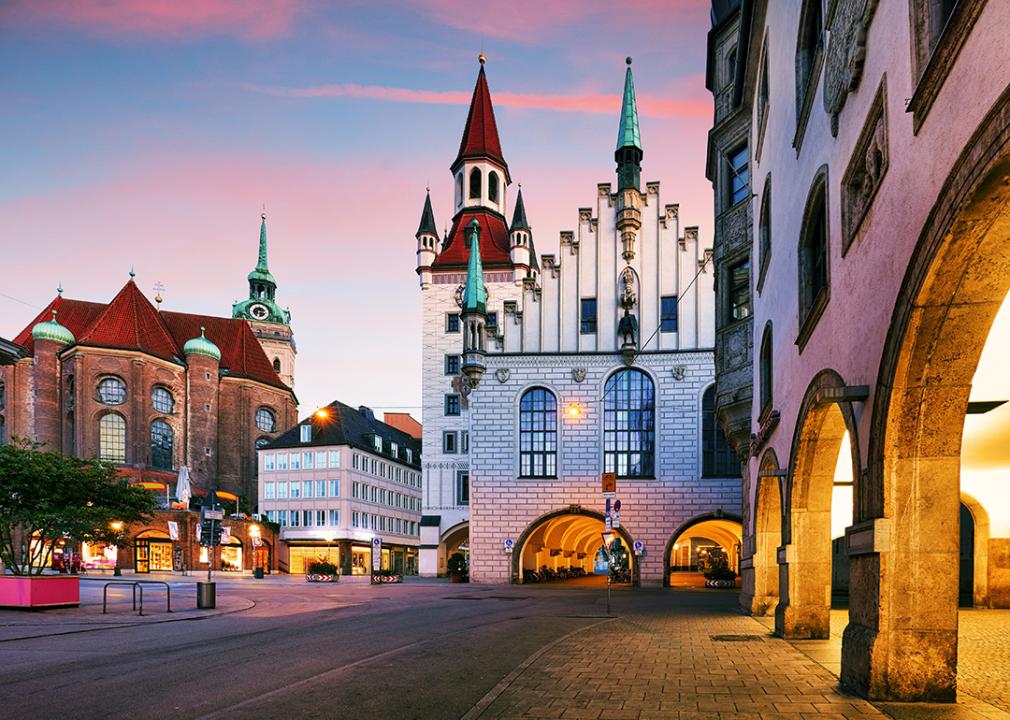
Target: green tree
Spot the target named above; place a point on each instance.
(48, 496)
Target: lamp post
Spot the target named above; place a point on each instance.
(117, 527)
(608, 537)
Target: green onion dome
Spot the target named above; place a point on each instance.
(202, 346)
(52, 330)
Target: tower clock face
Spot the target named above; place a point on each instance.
(462, 289)
(259, 311)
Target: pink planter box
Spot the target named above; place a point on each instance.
(40, 592)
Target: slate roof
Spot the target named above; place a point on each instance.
(345, 425)
(480, 135)
(131, 322)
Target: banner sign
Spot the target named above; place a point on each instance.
(173, 529)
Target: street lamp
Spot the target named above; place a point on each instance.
(608, 537)
(117, 527)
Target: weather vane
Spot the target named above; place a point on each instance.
(159, 289)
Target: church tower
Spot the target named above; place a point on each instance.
(270, 324)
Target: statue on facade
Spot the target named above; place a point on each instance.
(628, 296)
(627, 329)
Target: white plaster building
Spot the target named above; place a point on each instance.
(334, 483)
(625, 308)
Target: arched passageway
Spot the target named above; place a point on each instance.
(764, 594)
(454, 540)
(823, 462)
(704, 542)
(565, 543)
(902, 639)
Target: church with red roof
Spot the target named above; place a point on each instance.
(147, 389)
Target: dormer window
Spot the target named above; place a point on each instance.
(377, 443)
(394, 449)
(306, 432)
(410, 455)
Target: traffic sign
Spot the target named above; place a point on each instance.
(617, 506)
(213, 514)
(616, 523)
(609, 480)
(608, 523)
(638, 547)
(509, 544)
(376, 554)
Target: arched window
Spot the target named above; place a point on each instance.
(112, 438)
(3, 432)
(475, 178)
(765, 363)
(112, 391)
(629, 436)
(538, 433)
(265, 420)
(459, 189)
(161, 445)
(765, 231)
(813, 250)
(492, 186)
(162, 400)
(3, 396)
(717, 457)
(808, 51)
(262, 443)
(277, 365)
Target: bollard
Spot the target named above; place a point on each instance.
(206, 595)
(258, 573)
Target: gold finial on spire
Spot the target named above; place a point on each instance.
(482, 58)
(59, 289)
(158, 288)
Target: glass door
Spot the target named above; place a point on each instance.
(142, 554)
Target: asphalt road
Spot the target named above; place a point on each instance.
(420, 650)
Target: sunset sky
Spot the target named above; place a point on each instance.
(151, 133)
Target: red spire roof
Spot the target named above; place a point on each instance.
(130, 322)
(480, 136)
(494, 242)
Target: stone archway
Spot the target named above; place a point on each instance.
(761, 585)
(980, 594)
(804, 607)
(564, 524)
(901, 642)
(724, 528)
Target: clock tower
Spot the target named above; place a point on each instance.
(270, 323)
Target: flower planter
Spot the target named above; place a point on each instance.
(40, 591)
(315, 577)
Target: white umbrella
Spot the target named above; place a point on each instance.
(182, 489)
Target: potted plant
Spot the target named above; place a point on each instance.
(458, 569)
(717, 572)
(46, 498)
(321, 570)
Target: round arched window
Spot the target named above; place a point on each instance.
(162, 400)
(262, 443)
(265, 420)
(162, 440)
(112, 391)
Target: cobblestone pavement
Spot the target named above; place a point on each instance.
(676, 656)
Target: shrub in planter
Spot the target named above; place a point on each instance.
(718, 574)
(459, 571)
(321, 571)
(46, 497)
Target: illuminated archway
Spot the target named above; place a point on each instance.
(694, 540)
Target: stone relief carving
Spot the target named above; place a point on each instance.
(866, 169)
(579, 374)
(502, 374)
(628, 295)
(846, 54)
(679, 372)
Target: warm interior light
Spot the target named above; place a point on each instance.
(574, 410)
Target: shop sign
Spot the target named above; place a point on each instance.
(173, 529)
(213, 514)
(225, 535)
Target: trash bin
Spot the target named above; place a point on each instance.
(258, 573)
(206, 595)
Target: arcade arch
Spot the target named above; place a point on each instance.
(695, 541)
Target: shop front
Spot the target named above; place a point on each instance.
(301, 556)
(152, 552)
(231, 556)
(98, 556)
(361, 559)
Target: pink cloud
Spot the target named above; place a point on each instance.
(585, 103)
(530, 21)
(172, 19)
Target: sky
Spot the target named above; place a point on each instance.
(152, 133)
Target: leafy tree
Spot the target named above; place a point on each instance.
(48, 496)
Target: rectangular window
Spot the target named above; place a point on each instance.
(739, 170)
(492, 320)
(668, 314)
(354, 490)
(452, 364)
(375, 467)
(282, 518)
(268, 462)
(375, 494)
(382, 496)
(464, 441)
(394, 449)
(354, 518)
(307, 518)
(377, 443)
(272, 515)
(320, 488)
(307, 460)
(739, 290)
(462, 487)
(588, 316)
(334, 517)
(321, 460)
(410, 455)
(399, 525)
(320, 517)
(448, 442)
(268, 491)
(282, 490)
(452, 406)
(305, 432)
(282, 461)
(375, 522)
(296, 461)
(334, 488)
(334, 458)
(295, 518)
(296, 489)
(452, 323)
(354, 461)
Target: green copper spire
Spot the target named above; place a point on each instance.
(629, 141)
(627, 133)
(475, 294)
(262, 272)
(261, 305)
